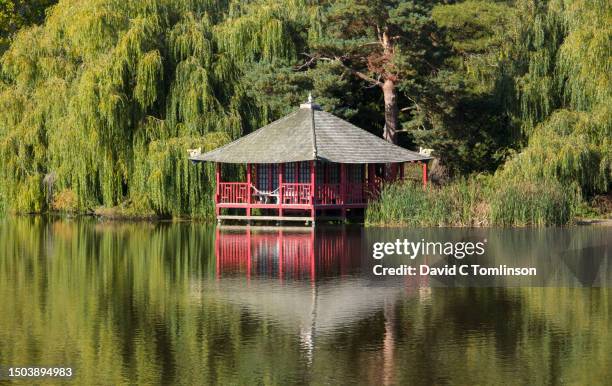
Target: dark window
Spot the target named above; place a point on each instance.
(267, 177)
(320, 173)
(304, 176)
(290, 172)
(333, 174)
(355, 173)
(328, 173)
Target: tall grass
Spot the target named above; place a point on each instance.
(478, 201)
(529, 203)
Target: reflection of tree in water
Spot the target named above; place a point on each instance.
(141, 304)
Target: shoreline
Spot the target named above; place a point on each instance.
(113, 216)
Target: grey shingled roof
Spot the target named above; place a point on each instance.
(310, 134)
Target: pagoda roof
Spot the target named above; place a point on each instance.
(309, 134)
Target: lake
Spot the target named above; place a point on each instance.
(188, 303)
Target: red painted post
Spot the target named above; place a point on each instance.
(424, 174)
(343, 190)
(217, 192)
(313, 177)
(248, 210)
(281, 169)
(401, 171)
(371, 176)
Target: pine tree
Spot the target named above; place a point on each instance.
(384, 43)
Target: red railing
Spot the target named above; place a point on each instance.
(355, 193)
(296, 194)
(328, 194)
(234, 192)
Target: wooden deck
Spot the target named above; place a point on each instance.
(280, 219)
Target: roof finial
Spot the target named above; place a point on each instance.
(310, 104)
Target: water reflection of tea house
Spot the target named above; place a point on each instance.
(286, 253)
(306, 280)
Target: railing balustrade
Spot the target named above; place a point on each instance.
(328, 194)
(355, 193)
(297, 194)
(234, 192)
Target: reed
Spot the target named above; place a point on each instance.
(529, 203)
(477, 201)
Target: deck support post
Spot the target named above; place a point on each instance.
(281, 170)
(424, 174)
(343, 190)
(217, 191)
(313, 178)
(248, 176)
(401, 171)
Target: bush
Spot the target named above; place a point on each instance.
(65, 201)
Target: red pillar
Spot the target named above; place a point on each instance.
(424, 174)
(371, 176)
(248, 172)
(392, 172)
(217, 192)
(401, 171)
(281, 169)
(313, 178)
(343, 189)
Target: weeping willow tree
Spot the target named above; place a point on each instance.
(564, 97)
(101, 102)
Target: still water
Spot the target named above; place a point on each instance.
(186, 303)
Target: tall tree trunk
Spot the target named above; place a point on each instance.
(391, 111)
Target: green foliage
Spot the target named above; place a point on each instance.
(391, 45)
(565, 94)
(476, 201)
(100, 103)
(466, 118)
(459, 204)
(16, 14)
(532, 203)
(109, 95)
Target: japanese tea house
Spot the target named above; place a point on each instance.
(307, 164)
